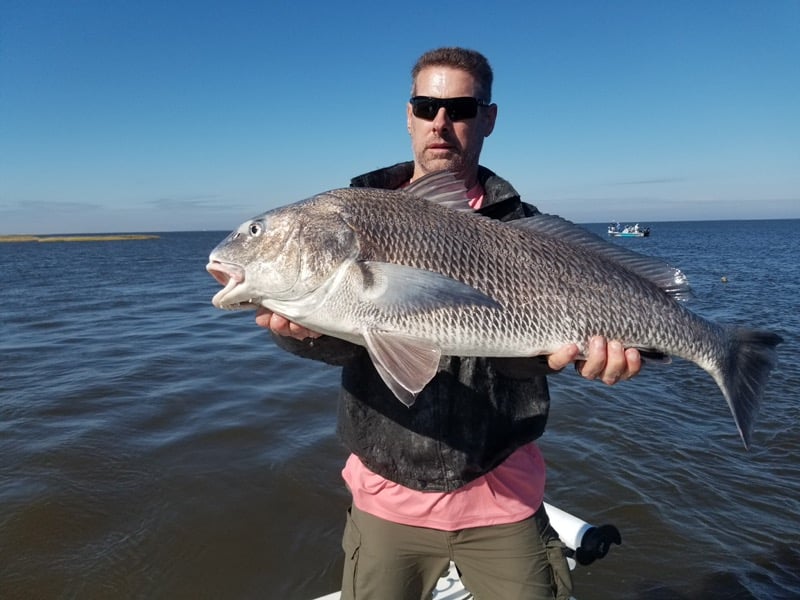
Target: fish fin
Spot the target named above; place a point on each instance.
(443, 188)
(744, 372)
(406, 364)
(670, 279)
(400, 289)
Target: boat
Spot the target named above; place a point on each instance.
(585, 544)
(617, 230)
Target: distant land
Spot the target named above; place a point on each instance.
(77, 238)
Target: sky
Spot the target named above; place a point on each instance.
(166, 116)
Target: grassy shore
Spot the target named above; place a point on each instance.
(77, 238)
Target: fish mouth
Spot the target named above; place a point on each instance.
(234, 294)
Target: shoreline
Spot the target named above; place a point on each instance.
(78, 238)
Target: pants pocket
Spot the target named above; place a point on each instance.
(556, 552)
(351, 543)
(562, 578)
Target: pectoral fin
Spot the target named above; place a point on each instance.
(406, 364)
(400, 289)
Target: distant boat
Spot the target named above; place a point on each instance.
(617, 230)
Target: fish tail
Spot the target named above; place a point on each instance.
(747, 362)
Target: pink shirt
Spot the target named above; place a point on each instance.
(511, 492)
(475, 196)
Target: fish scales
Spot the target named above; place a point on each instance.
(549, 291)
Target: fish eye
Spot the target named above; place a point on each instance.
(255, 229)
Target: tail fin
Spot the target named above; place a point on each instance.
(750, 358)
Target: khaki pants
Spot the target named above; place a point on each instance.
(388, 561)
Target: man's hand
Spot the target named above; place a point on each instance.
(283, 326)
(607, 361)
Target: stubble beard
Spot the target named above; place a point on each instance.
(461, 165)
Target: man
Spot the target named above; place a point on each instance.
(457, 476)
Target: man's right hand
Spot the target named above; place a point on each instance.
(607, 360)
(283, 326)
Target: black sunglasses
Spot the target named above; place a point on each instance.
(458, 109)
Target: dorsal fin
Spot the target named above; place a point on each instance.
(670, 279)
(443, 188)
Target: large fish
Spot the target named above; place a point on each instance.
(414, 274)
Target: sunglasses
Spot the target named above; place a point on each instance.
(458, 109)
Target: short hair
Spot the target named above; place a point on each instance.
(471, 61)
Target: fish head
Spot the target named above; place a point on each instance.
(281, 259)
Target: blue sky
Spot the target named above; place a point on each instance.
(160, 116)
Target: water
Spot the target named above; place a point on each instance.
(152, 446)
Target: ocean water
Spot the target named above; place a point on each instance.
(152, 446)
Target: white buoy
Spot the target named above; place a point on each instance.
(586, 542)
(570, 528)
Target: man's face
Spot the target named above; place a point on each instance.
(443, 144)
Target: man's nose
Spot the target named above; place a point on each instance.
(441, 120)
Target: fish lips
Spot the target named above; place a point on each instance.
(234, 295)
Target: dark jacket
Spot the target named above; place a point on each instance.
(472, 415)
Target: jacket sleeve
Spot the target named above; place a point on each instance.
(327, 349)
